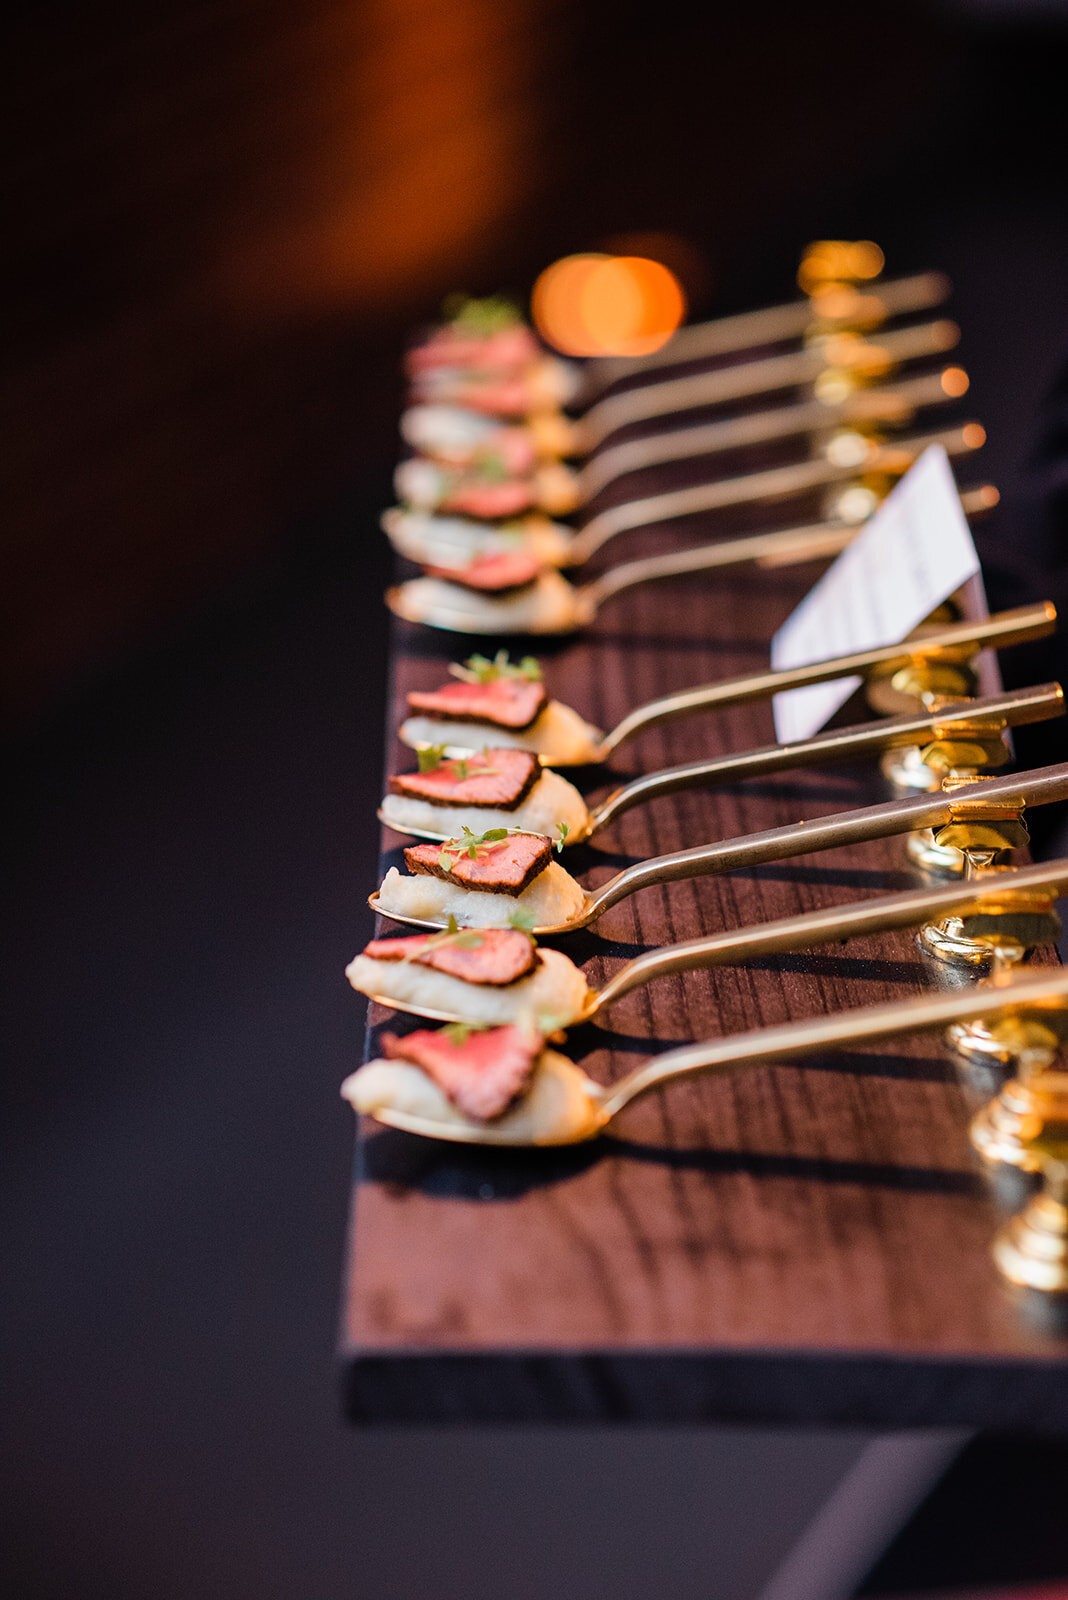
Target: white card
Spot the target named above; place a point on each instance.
(907, 559)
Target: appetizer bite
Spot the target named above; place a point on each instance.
(498, 573)
(470, 600)
(489, 975)
(488, 334)
(497, 703)
(487, 487)
(543, 386)
(487, 359)
(496, 879)
(458, 437)
(501, 786)
(502, 1084)
(455, 541)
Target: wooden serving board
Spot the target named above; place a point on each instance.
(800, 1243)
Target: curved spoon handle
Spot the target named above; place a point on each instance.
(1040, 787)
(774, 483)
(753, 377)
(957, 642)
(888, 405)
(828, 926)
(1013, 709)
(784, 548)
(1032, 990)
(770, 325)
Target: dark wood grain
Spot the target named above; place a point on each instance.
(806, 1241)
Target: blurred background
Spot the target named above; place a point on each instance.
(222, 222)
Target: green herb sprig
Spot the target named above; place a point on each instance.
(480, 669)
(458, 1033)
(453, 936)
(472, 845)
(433, 756)
(479, 318)
(492, 468)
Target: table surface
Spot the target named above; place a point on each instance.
(805, 1242)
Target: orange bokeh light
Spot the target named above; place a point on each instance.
(839, 261)
(600, 305)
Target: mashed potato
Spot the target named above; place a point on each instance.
(559, 735)
(552, 898)
(560, 1105)
(546, 606)
(449, 429)
(457, 541)
(553, 995)
(551, 801)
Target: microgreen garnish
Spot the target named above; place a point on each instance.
(480, 318)
(458, 1033)
(480, 669)
(521, 919)
(432, 758)
(491, 467)
(453, 935)
(460, 938)
(472, 845)
(563, 830)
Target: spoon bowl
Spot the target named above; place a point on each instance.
(563, 1105)
(1040, 787)
(560, 736)
(442, 535)
(515, 1002)
(551, 605)
(990, 715)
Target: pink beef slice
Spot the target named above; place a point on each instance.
(500, 957)
(482, 1076)
(498, 572)
(513, 703)
(511, 347)
(505, 867)
(488, 500)
(498, 778)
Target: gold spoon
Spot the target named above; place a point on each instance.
(850, 359)
(420, 599)
(699, 341)
(876, 407)
(956, 643)
(835, 923)
(1014, 709)
(562, 1105)
(889, 406)
(1039, 787)
(856, 358)
(561, 607)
